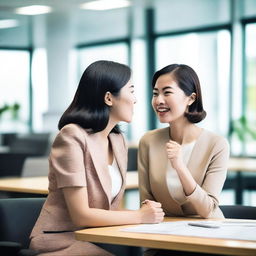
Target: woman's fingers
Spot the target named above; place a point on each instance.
(151, 212)
(172, 143)
(173, 149)
(153, 203)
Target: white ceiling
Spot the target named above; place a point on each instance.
(86, 25)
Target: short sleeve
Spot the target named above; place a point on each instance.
(67, 158)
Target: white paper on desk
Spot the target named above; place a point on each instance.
(227, 230)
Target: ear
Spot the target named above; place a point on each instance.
(192, 98)
(108, 99)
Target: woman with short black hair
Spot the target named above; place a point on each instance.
(87, 165)
(181, 166)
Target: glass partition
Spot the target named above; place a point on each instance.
(250, 93)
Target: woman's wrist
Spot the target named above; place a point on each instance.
(138, 217)
(181, 167)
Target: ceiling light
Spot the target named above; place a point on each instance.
(101, 5)
(33, 10)
(8, 23)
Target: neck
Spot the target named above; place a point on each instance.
(184, 132)
(104, 133)
(102, 138)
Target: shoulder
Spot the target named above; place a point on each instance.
(156, 135)
(214, 140)
(70, 132)
(72, 129)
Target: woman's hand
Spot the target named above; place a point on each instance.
(151, 212)
(174, 154)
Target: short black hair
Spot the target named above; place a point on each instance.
(88, 108)
(189, 83)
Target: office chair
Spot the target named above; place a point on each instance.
(17, 218)
(34, 144)
(35, 166)
(11, 163)
(239, 211)
(8, 138)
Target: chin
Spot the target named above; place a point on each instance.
(127, 120)
(164, 121)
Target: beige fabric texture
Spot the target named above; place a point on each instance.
(208, 165)
(76, 161)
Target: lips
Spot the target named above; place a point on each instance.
(162, 109)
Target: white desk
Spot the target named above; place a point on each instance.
(114, 235)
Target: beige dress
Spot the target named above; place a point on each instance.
(207, 163)
(76, 161)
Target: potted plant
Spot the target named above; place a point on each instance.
(242, 130)
(14, 109)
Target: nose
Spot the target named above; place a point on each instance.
(159, 99)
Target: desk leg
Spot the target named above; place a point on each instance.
(239, 188)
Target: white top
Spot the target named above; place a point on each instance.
(173, 181)
(116, 179)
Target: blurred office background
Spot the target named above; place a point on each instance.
(43, 54)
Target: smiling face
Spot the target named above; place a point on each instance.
(123, 104)
(169, 101)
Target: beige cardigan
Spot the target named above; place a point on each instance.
(76, 161)
(207, 164)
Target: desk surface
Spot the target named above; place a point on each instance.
(34, 185)
(39, 185)
(242, 164)
(113, 235)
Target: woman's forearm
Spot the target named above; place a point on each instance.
(83, 215)
(187, 180)
(93, 217)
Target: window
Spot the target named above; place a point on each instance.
(116, 52)
(14, 87)
(40, 88)
(250, 89)
(139, 121)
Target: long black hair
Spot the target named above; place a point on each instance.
(88, 108)
(189, 83)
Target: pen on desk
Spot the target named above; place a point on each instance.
(203, 225)
(56, 231)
